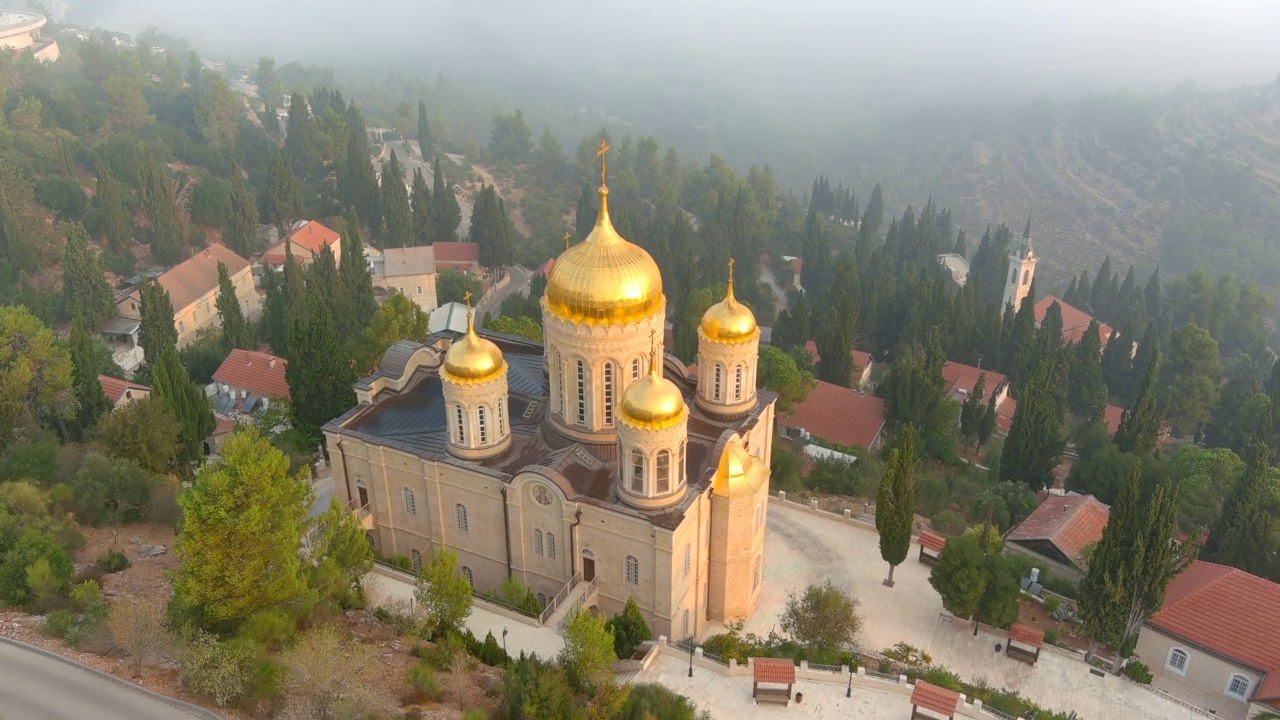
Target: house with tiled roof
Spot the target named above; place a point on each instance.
(959, 380)
(838, 415)
(1058, 532)
(306, 240)
(122, 392)
(1075, 322)
(248, 381)
(193, 290)
(460, 256)
(862, 364)
(410, 271)
(1218, 636)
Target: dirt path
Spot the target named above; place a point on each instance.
(510, 193)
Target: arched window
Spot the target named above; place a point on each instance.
(461, 420)
(1238, 687)
(1013, 276)
(631, 570)
(559, 393)
(608, 393)
(460, 518)
(502, 416)
(1026, 276)
(635, 369)
(482, 424)
(537, 543)
(410, 502)
(551, 546)
(581, 379)
(680, 467)
(737, 382)
(415, 561)
(542, 599)
(1177, 661)
(662, 472)
(637, 471)
(755, 574)
(466, 573)
(684, 624)
(687, 562)
(715, 384)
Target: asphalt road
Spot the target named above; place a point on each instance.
(492, 301)
(35, 687)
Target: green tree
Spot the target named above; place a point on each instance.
(1035, 439)
(341, 552)
(115, 223)
(524, 327)
(420, 202)
(91, 402)
(302, 142)
(28, 549)
(972, 412)
(585, 216)
(424, 131)
(1086, 391)
(549, 157)
(173, 387)
(358, 305)
(282, 197)
(823, 619)
(452, 286)
(235, 328)
(398, 319)
(446, 214)
(777, 371)
(320, 376)
(491, 229)
(511, 140)
(160, 215)
(268, 81)
(443, 593)
(588, 651)
(959, 576)
(1203, 477)
(629, 629)
(1241, 535)
(111, 491)
(36, 374)
(1192, 375)
(156, 329)
(896, 503)
(398, 231)
(217, 112)
(1140, 423)
(127, 107)
(357, 185)
(144, 431)
(240, 231)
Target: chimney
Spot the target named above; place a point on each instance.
(272, 362)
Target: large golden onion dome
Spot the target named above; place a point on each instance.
(472, 359)
(653, 402)
(604, 279)
(729, 321)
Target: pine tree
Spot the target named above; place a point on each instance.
(1035, 439)
(1140, 423)
(115, 223)
(84, 286)
(320, 378)
(283, 197)
(358, 304)
(420, 202)
(156, 330)
(235, 328)
(240, 233)
(896, 503)
(1086, 392)
(585, 218)
(91, 401)
(357, 186)
(424, 131)
(302, 143)
(398, 231)
(171, 384)
(163, 222)
(1241, 534)
(446, 215)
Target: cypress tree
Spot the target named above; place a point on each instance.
(491, 229)
(1152, 563)
(398, 230)
(1241, 534)
(85, 287)
(357, 186)
(987, 425)
(972, 411)
(1140, 423)
(115, 223)
(1117, 363)
(420, 202)
(1148, 347)
(302, 143)
(1152, 296)
(173, 387)
(424, 131)
(320, 378)
(91, 401)
(1086, 392)
(156, 330)
(835, 364)
(160, 210)
(322, 276)
(355, 286)
(273, 311)
(585, 217)
(1101, 595)
(1035, 439)
(293, 296)
(235, 328)
(1020, 341)
(896, 503)
(240, 233)
(282, 196)
(446, 215)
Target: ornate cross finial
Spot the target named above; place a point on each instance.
(653, 352)
(730, 274)
(604, 148)
(566, 240)
(466, 297)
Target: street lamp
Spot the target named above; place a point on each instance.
(849, 691)
(504, 642)
(690, 657)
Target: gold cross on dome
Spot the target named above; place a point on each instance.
(466, 297)
(730, 271)
(566, 240)
(604, 148)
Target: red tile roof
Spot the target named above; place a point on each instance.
(1068, 522)
(1112, 418)
(114, 388)
(1074, 321)
(255, 372)
(545, 268)
(957, 376)
(307, 241)
(797, 264)
(774, 670)
(1005, 412)
(1231, 613)
(193, 278)
(457, 252)
(928, 696)
(860, 359)
(1026, 635)
(839, 415)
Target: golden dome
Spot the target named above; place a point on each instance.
(472, 358)
(739, 471)
(653, 402)
(604, 279)
(729, 320)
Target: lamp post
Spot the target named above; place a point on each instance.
(849, 691)
(504, 642)
(690, 657)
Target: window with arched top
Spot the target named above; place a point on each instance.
(637, 471)
(1026, 277)
(482, 425)
(635, 369)
(502, 416)
(1177, 661)
(687, 561)
(631, 570)
(410, 502)
(460, 422)
(737, 383)
(608, 393)
(680, 466)
(537, 543)
(1238, 686)
(551, 546)
(662, 472)
(755, 573)
(460, 518)
(715, 381)
(466, 573)
(580, 373)
(415, 561)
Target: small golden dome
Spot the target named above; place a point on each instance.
(472, 358)
(604, 279)
(653, 402)
(739, 471)
(729, 320)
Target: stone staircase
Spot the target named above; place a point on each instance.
(580, 596)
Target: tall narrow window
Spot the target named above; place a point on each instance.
(637, 471)
(415, 561)
(755, 574)
(688, 560)
(460, 517)
(581, 371)
(737, 383)
(466, 573)
(680, 466)
(1013, 276)
(662, 473)
(631, 572)
(608, 393)
(635, 369)
(410, 502)
(502, 416)
(551, 546)
(461, 421)
(537, 543)
(1026, 277)
(482, 424)
(684, 624)
(715, 385)
(560, 389)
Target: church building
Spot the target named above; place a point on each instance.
(590, 463)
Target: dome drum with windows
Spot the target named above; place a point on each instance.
(729, 321)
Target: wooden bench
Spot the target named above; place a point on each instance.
(1027, 656)
(782, 696)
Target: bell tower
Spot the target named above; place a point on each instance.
(1022, 270)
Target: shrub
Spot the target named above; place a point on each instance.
(943, 678)
(652, 700)
(58, 622)
(948, 522)
(1052, 636)
(490, 652)
(475, 714)
(629, 630)
(1137, 671)
(112, 561)
(423, 683)
(219, 670)
(444, 654)
(269, 629)
(401, 561)
(1062, 586)
(908, 655)
(1051, 604)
